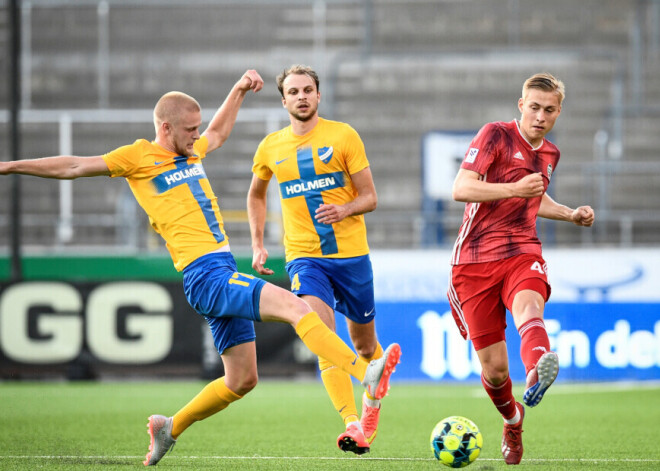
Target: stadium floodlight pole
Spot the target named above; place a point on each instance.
(14, 137)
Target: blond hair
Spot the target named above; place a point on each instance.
(545, 82)
(170, 107)
(296, 70)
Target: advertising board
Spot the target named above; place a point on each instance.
(603, 317)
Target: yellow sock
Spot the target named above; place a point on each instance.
(324, 343)
(339, 385)
(376, 355)
(213, 398)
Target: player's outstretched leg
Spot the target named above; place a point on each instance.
(377, 378)
(369, 419)
(160, 431)
(540, 378)
(512, 446)
(353, 439)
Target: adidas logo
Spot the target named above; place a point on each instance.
(518, 156)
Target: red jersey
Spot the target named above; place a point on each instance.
(495, 230)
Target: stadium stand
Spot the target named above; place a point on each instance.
(394, 69)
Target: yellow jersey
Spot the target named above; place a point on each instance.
(176, 195)
(311, 170)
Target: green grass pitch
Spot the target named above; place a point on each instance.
(292, 426)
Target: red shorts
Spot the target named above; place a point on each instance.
(480, 293)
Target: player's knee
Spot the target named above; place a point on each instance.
(246, 384)
(297, 308)
(280, 305)
(249, 384)
(495, 374)
(365, 349)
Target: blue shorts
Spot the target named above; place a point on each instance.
(344, 284)
(227, 299)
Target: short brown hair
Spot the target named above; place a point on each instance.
(296, 70)
(545, 82)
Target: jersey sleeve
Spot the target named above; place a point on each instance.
(356, 156)
(483, 149)
(123, 161)
(260, 162)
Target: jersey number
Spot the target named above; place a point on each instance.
(235, 279)
(295, 283)
(536, 266)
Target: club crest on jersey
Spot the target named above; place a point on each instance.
(549, 171)
(325, 154)
(471, 155)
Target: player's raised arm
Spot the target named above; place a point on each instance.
(223, 121)
(62, 167)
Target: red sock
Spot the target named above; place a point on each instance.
(502, 397)
(534, 342)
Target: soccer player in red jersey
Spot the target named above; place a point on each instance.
(497, 262)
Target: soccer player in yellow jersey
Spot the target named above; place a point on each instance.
(325, 186)
(167, 178)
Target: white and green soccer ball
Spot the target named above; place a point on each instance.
(456, 441)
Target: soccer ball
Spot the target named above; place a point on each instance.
(456, 441)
